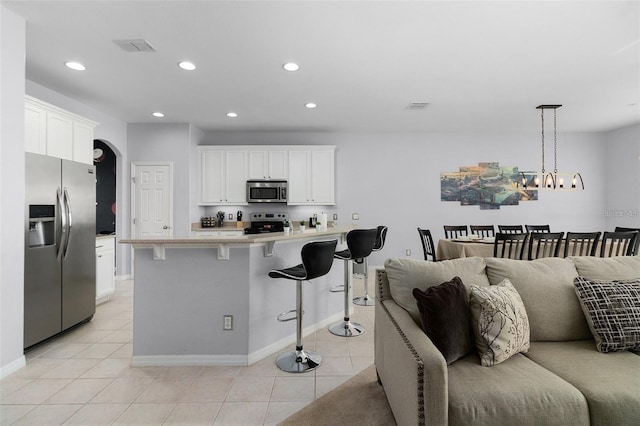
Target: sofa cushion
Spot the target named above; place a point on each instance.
(406, 274)
(547, 291)
(499, 322)
(515, 392)
(444, 311)
(609, 381)
(612, 309)
(607, 268)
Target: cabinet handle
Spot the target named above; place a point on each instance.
(99, 255)
(99, 246)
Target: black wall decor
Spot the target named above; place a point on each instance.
(104, 159)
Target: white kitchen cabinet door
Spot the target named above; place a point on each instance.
(236, 165)
(82, 142)
(59, 135)
(105, 269)
(311, 177)
(267, 163)
(212, 176)
(299, 177)
(322, 177)
(35, 129)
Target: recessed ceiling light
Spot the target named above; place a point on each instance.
(75, 66)
(291, 66)
(158, 114)
(310, 105)
(232, 115)
(185, 65)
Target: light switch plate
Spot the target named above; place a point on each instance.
(355, 216)
(227, 324)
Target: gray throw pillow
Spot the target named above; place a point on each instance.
(444, 313)
(612, 309)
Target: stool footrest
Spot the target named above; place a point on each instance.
(283, 317)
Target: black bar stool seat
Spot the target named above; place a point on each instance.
(367, 300)
(317, 259)
(360, 243)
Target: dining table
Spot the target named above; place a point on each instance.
(464, 247)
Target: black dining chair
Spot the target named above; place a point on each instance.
(510, 229)
(544, 244)
(455, 231)
(509, 246)
(538, 228)
(637, 243)
(427, 245)
(581, 243)
(618, 243)
(483, 231)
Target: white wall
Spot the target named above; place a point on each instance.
(113, 132)
(622, 174)
(12, 192)
(394, 179)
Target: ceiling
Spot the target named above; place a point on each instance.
(482, 66)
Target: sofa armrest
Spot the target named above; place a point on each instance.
(412, 370)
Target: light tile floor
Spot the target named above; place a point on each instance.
(84, 378)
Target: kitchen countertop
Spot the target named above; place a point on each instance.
(223, 242)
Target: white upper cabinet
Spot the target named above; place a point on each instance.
(309, 170)
(312, 176)
(52, 131)
(268, 163)
(223, 176)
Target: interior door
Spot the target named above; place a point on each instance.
(152, 199)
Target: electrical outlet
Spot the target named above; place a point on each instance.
(230, 216)
(335, 216)
(228, 322)
(355, 216)
(407, 252)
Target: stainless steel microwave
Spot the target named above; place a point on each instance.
(266, 191)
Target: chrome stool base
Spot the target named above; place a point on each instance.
(298, 361)
(364, 301)
(347, 329)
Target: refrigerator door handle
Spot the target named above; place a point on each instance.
(67, 202)
(63, 224)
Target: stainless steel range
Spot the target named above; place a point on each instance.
(266, 222)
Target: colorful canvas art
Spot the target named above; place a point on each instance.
(487, 185)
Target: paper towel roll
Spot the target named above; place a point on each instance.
(322, 218)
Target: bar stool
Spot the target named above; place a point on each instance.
(366, 300)
(317, 258)
(360, 242)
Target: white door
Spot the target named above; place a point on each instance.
(152, 203)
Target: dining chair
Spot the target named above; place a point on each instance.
(623, 229)
(618, 243)
(483, 230)
(538, 228)
(581, 243)
(455, 231)
(510, 229)
(544, 244)
(427, 244)
(509, 246)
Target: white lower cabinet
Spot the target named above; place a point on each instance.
(105, 268)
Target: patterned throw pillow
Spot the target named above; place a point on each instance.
(444, 311)
(500, 323)
(612, 309)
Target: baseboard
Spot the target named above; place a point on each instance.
(187, 360)
(291, 339)
(12, 367)
(124, 277)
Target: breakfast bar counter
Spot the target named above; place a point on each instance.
(185, 287)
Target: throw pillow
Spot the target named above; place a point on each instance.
(612, 309)
(500, 323)
(444, 313)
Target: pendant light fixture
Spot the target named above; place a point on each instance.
(567, 181)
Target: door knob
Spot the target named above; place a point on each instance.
(165, 227)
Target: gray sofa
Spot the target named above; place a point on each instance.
(561, 380)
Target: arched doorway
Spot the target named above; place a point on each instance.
(104, 160)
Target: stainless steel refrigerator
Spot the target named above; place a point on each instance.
(59, 261)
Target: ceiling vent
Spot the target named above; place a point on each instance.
(417, 105)
(135, 45)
